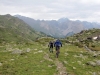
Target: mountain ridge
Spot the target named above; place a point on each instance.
(58, 28)
(13, 29)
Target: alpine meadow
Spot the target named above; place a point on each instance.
(24, 50)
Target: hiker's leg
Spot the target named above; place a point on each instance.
(49, 49)
(52, 49)
(57, 51)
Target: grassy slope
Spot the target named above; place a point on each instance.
(33, 63)
(83, 35)
(13, 29)
(77, 65)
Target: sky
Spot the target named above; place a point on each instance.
(83, 10)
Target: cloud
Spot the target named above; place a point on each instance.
(87, 10)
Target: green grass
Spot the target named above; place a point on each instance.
(27, 63)
(77, 65)
(33, 62)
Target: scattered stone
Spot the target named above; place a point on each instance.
(40, 51)
(49, 65)
(79, 62)
(95, 54)
(73, 62)
(12, 59)
(94, 73)
(80, 56)
(0, 64)
(99, 73)
(98, 62)
(35, 49)
(26, 57)
(81, 51)
(91, 63)
(98, 53)
(28, 50)
(16, 51)
(74, 68)
(65, 62)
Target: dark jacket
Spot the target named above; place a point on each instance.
(50, 44)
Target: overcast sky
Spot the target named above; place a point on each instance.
(84, 10)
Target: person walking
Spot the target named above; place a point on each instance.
(51, 46)
(57, 46)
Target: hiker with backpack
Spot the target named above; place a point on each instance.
(57, 46)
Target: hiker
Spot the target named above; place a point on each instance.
(57, 46)
(50, 46)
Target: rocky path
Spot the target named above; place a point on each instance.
(61, 70)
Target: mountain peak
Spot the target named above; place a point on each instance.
(59, 28)
(63, 20)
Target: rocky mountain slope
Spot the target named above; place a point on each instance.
(89, 38)
(58, 28)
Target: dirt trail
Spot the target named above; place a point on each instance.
(61, 70)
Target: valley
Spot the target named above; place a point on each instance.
(24, 51)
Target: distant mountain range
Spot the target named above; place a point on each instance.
(12, 29)
(58, 28)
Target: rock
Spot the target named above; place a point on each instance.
(65, 62)
(49, 65)
(28, 50)
(98, 62)
(16, 51)
(40, 51)
(94, 73)
(95, 54)
(79, 62)
(0, 64)
(74, 68)
(12, 59)
(35, 49)
(91, 63)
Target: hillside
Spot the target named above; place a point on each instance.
(89, 38)
(79, 54)
(84, 34)
(59, 28)
(13, 29)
